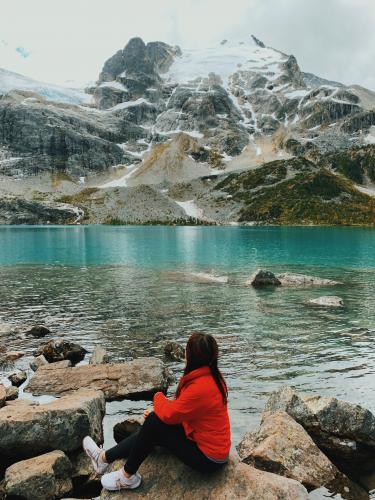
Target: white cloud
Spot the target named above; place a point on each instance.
(70, 40)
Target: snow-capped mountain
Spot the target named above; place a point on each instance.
(162, 115)
(13, 81)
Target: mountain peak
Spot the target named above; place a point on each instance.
(258, 42)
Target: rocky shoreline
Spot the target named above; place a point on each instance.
(305, 445)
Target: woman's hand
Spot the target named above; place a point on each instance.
(147, 411)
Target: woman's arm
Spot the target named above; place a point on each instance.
(188, 405)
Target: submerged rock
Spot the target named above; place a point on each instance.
(327, 301)
(344, 431)
(124, 429)
(38, 362)
(42, 478)
(137, 379)
(174, 351)
(38, 331)
(296, 279)
(263, 278)
(164, 476)
(18, 377)
(28, 429)
(58, 350)
(282, 446)
(14, 355)
(99, 356)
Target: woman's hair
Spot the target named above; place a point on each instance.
(202, 350)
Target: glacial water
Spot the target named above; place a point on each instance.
(129, 289)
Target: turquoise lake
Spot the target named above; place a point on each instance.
(130, 290)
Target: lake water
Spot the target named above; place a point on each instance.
(124, 288)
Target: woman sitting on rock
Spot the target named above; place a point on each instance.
(194, 426)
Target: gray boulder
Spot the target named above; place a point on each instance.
(38, 331)
(18, 377)
(124, 429)
(45, 477)
(59, 350)
(174, 351)
(38, 362)
(282, 446)
(327, 301)
(296, 279)
(344, 431)
(263, 278)
(137, 379)
(163, 476)
(27, 430)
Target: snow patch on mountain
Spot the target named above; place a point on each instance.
(13, 81)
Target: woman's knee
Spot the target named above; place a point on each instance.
(152, 420)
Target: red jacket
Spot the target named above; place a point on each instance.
(201, 411)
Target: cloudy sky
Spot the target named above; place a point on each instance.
(62, 41)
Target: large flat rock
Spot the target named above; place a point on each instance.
(45, 477)
(282, 446)
(137, 379)
(164, 476)
(27, 430)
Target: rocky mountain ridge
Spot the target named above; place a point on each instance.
(165, 116)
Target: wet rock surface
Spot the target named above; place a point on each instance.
(38, 331)
(137, 379)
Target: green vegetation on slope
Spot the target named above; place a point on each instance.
(317, 198)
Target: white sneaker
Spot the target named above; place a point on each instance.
(94, 452)
(115, 481)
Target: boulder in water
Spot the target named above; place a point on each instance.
(263, 278)
(38, 331)
(124, 429)
(174, 351)
(45, 477)
(282, 446)
(18, 377)
(296, 279)
(326, 301)
(137, 379)
(164, 476)
(59, 350)
(14, 355)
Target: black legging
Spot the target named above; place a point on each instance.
(154, 432)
